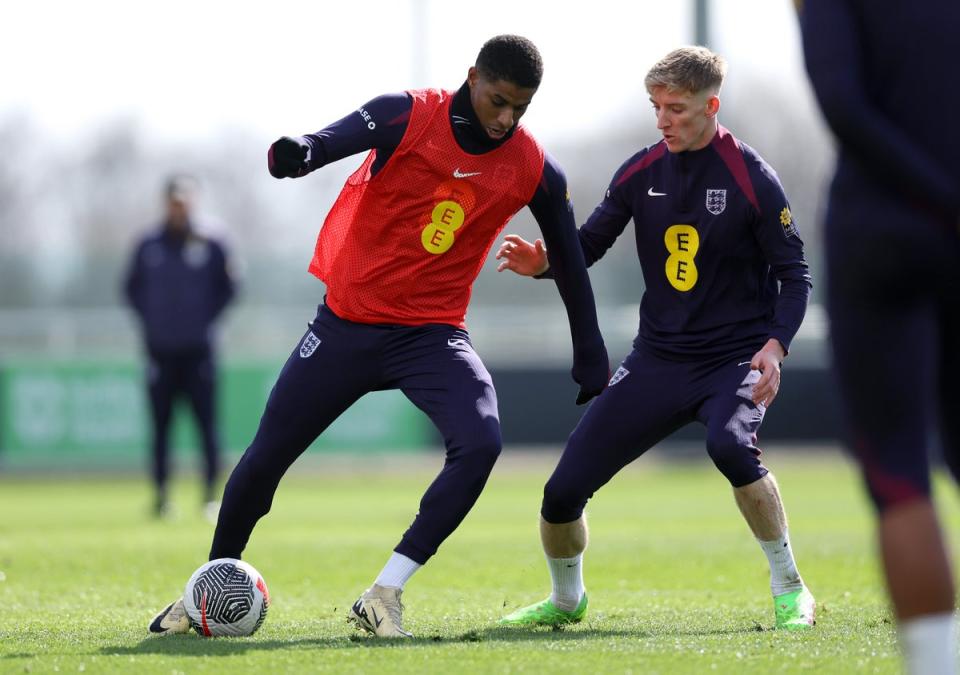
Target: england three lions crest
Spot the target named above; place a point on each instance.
(309, 345)
(617, 376)
(716, 201)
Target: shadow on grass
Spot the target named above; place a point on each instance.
(190, 644)
(507, 634)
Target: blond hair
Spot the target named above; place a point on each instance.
(691, 69)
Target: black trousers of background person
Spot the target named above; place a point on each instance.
(191, 376)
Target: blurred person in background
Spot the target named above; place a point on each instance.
(178, 284)
(399, 252)
(885, 75)
(726, 291)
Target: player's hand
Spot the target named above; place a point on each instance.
(767, 361)
(520, 256)
(287, 158)
(592, 372)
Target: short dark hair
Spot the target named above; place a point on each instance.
(511, 58)
(180, 186)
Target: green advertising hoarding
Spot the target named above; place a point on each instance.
(74, 414)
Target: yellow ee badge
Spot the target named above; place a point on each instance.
(682, 242)
(447, 217)
(786, 220)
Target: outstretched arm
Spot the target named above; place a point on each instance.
(554, 214)
(597, 235)
(379, 124)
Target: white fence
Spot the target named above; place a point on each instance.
(505, 335)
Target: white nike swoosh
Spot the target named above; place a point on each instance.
(457, 174)
(743, 363)
(656, 194)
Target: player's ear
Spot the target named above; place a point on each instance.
(472, 76)
(713, 105)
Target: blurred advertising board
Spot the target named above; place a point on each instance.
(66, 413)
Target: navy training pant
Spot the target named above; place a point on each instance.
(650, 397)
(337, 362)
(893, 297)
(193, 376)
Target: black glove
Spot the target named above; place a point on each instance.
(287, 158)
(591, 371)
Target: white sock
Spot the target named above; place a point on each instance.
(567, 576)
(929, 644)
(784, 577)
(397, 571)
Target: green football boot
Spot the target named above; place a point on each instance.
(545, 613)
(795, 610)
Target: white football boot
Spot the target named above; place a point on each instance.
(173, 619)
(379, 612)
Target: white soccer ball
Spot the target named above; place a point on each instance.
(226, 597)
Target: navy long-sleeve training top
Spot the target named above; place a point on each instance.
(721, 256)
(178, 284)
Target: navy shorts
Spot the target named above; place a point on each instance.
(648, 398)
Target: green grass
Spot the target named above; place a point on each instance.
(677, 584)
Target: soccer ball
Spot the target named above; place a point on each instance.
(226, 597)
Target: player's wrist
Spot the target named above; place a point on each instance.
(543, 272)
(776, 349)
(590, 351)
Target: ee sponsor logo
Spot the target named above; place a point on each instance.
(682, 243)
(447, 217)
(454, 199)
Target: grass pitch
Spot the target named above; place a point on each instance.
(676, 582)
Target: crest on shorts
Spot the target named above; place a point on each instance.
(617, 376)
(309, 345)
(716, 201)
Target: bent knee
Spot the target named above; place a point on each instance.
(738, 462)
(486, 454)
(563, 500)
(481, 451)
(889, 488)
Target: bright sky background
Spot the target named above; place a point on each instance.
(190, 68)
